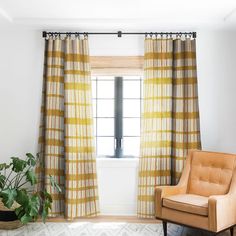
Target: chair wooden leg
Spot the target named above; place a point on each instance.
(164, 224)
(232, 231)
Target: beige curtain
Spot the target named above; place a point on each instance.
(66, 133)
(170, 119)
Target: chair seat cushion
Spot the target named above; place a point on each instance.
(194, 204)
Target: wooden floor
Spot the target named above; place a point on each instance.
(98, 219)
(173, 230)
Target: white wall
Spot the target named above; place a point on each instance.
(21, 54)
(217, 89)
(21, 62)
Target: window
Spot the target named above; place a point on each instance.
(117, 109)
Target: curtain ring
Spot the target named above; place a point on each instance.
(51, 36)
(68, 35)
(85, 35)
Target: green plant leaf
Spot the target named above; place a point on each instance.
(31, 159)
(44, 213)
(8, 197)
(54, 184)
(18, 164)
(47, 196)
(30, 155)
(30, 206)
(2, 181)
(46, 205)
(31, 162)
(19, 211)
(22, 197)
(25, 219)
(34, 205)
(30, 176)
(4, 166)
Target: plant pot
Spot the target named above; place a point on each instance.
(8, 218)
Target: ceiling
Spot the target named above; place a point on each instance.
(142, 15)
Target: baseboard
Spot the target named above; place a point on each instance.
(118, 210)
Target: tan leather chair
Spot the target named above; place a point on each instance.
(205, 196)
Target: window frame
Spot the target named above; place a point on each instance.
(118, 117)
(118, 114)
(117, 66)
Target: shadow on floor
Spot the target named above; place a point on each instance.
(176, 230)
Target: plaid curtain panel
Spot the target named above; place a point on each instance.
(170, 118)
(66, 141)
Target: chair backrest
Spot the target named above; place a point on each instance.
(210, 173)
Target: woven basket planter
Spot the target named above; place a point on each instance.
(8, 218)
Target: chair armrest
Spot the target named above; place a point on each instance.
(180, 188)
(165, 191)
(221, 211)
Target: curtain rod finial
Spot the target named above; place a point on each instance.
(194, 35)
(44, 34)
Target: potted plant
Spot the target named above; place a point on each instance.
(20, 203)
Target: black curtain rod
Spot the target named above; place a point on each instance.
(119, 33)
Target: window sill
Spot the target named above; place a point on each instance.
(106, 162)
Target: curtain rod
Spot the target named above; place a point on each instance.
(119, 33)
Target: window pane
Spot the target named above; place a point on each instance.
(94, 127)
(131, 126)
(105, 126)
(131, 146)
(105, 89)
(105, 146)
(131, 89)
(105, 77)
(94, 108)
(105, 108)
(131, 108)
(94, 89)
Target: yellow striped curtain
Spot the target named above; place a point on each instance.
(170, 118)
(66, 139)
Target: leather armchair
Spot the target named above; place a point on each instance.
(205, 196)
